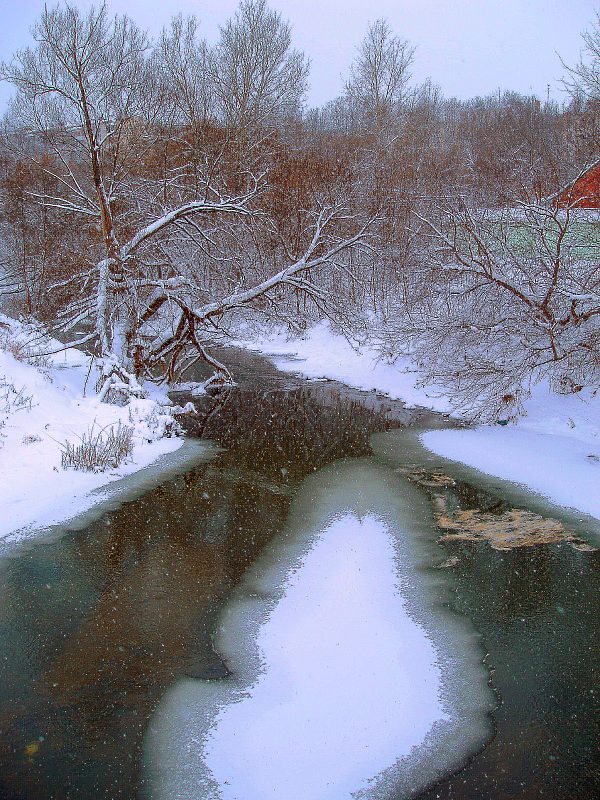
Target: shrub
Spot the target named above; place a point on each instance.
(31, 438)
(98, 450)
(11, 400)
(25, 341)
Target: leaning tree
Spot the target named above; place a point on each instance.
(170, 253)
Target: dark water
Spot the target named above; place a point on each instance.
(538, 610)
(96, 625)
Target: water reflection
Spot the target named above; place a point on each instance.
(95, 626)
(286, 435)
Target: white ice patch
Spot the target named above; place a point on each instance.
(350, 682)
(337, 686)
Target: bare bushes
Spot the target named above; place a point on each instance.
(11, 399)
(25, 340)
(498, 301)
(99, 450)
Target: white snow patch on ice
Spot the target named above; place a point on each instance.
(564, 470)
(347, 673)
(350, 681)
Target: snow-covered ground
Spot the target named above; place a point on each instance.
(554, 449)
(46, 408)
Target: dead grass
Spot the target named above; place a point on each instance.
(99, 449)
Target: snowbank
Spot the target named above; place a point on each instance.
(323, 354)
(46, 407)
(554, 449)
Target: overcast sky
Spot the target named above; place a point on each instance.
(467, 47)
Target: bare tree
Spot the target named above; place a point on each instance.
(331, 240)
(584, 78)
(28, 234)
(169, 254)
(85, 100)
(260, 80)
(82, 99)
(499, 300)
(379, 75)
(182, 60)
(514, 147)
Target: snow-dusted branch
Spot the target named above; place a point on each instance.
(510, 297)
(224, 206)
(321, 251)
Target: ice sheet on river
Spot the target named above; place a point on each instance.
(348, 675)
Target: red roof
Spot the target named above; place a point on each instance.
(584, 192)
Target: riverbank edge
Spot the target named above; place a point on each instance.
(78, 510)
(564, 427)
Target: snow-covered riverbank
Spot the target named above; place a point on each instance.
(323, 354)
(554, 449)
(46, 406)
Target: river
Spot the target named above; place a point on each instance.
(99, 623)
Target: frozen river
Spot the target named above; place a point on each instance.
(273, 622)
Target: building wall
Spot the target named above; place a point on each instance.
(585, 192)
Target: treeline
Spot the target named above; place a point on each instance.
(152, 192)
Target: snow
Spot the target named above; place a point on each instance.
(554, 449)
(348, 674)
(34, 490)
(340, 620)
(323, 354)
